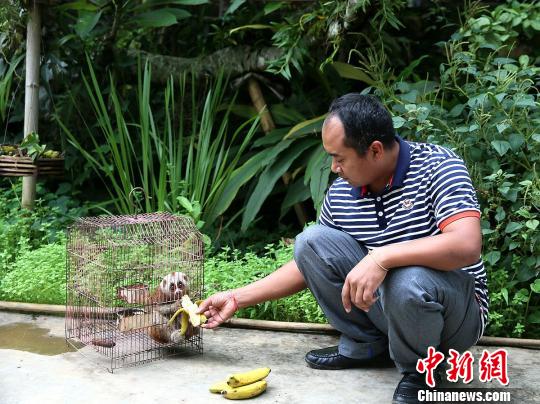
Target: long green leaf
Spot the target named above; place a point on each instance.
(251, 26)
(348, 71)
(269, 178)
(318, 173)
(296, 192)
(155, 19)
(310, 126)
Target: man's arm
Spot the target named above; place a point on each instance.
(459, 245)
(285, 281)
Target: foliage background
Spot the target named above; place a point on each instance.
(136, 76)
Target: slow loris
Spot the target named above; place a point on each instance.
(162, 303)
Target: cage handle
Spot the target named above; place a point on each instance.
(132, 201)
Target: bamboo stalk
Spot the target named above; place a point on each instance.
(31, 98)
(268, 125)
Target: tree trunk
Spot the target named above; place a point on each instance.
(31, 94)
(268, 125)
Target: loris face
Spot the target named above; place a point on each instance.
(174, 286)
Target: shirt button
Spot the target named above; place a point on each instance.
(378, 199)
(380, 213)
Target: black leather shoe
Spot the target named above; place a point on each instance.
(407, 389)
(331, 359)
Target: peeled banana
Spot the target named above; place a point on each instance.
(242, 379)
(191, 309)
(247, 391)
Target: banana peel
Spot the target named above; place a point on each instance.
(188, 311)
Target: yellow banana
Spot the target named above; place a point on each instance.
(177, 312)
(242, 379)
(184, 323)
(220, 387)
(248, 391)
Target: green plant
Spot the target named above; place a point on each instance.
(485, 105)
(23, 230)
(30, 146)
(39, 276)
(276, 160)
(230, 269)
(196, 161)
(7, 72)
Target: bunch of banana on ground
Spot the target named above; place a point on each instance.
(243, 385)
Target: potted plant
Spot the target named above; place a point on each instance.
(30, 158)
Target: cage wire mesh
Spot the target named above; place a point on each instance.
(125, 278)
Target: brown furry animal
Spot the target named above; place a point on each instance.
(162, 303)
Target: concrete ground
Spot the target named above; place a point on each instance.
(81, 377)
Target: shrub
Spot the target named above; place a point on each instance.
(486, 106)
(22, 230)
(230, 269)
(39, 276)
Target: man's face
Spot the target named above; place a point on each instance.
(357, 171)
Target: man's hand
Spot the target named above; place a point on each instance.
(218, 308)
(361, 284)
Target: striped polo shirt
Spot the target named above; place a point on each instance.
(430, 189)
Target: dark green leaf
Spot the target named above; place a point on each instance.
(310, 126)
(535, 287)
(190, 2)
(532, 224)
(86, 22)
(155, 19)
(534, 317)
(512, 227)
(525, 273)
(179, 13)
(296, 192)
(398, 121)
(270, 176)
(234, 6)
(504, 293)
(272, 137)
(270, 7)
(405, 73)
(348, 71)
(456, 110)
(78, 5)
(492, 257)
(502, 146)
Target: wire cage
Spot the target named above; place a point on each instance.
(125, 277)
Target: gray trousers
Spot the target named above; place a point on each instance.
(417, 308)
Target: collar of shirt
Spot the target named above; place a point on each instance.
(402, 166)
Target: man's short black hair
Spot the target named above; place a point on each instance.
(364, 119)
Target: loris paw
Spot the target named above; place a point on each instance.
(176, 337)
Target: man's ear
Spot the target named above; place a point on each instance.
(376, 149)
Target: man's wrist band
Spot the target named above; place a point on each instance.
(231, 295)
(370, 253)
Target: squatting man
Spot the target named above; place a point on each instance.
(394, 260)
